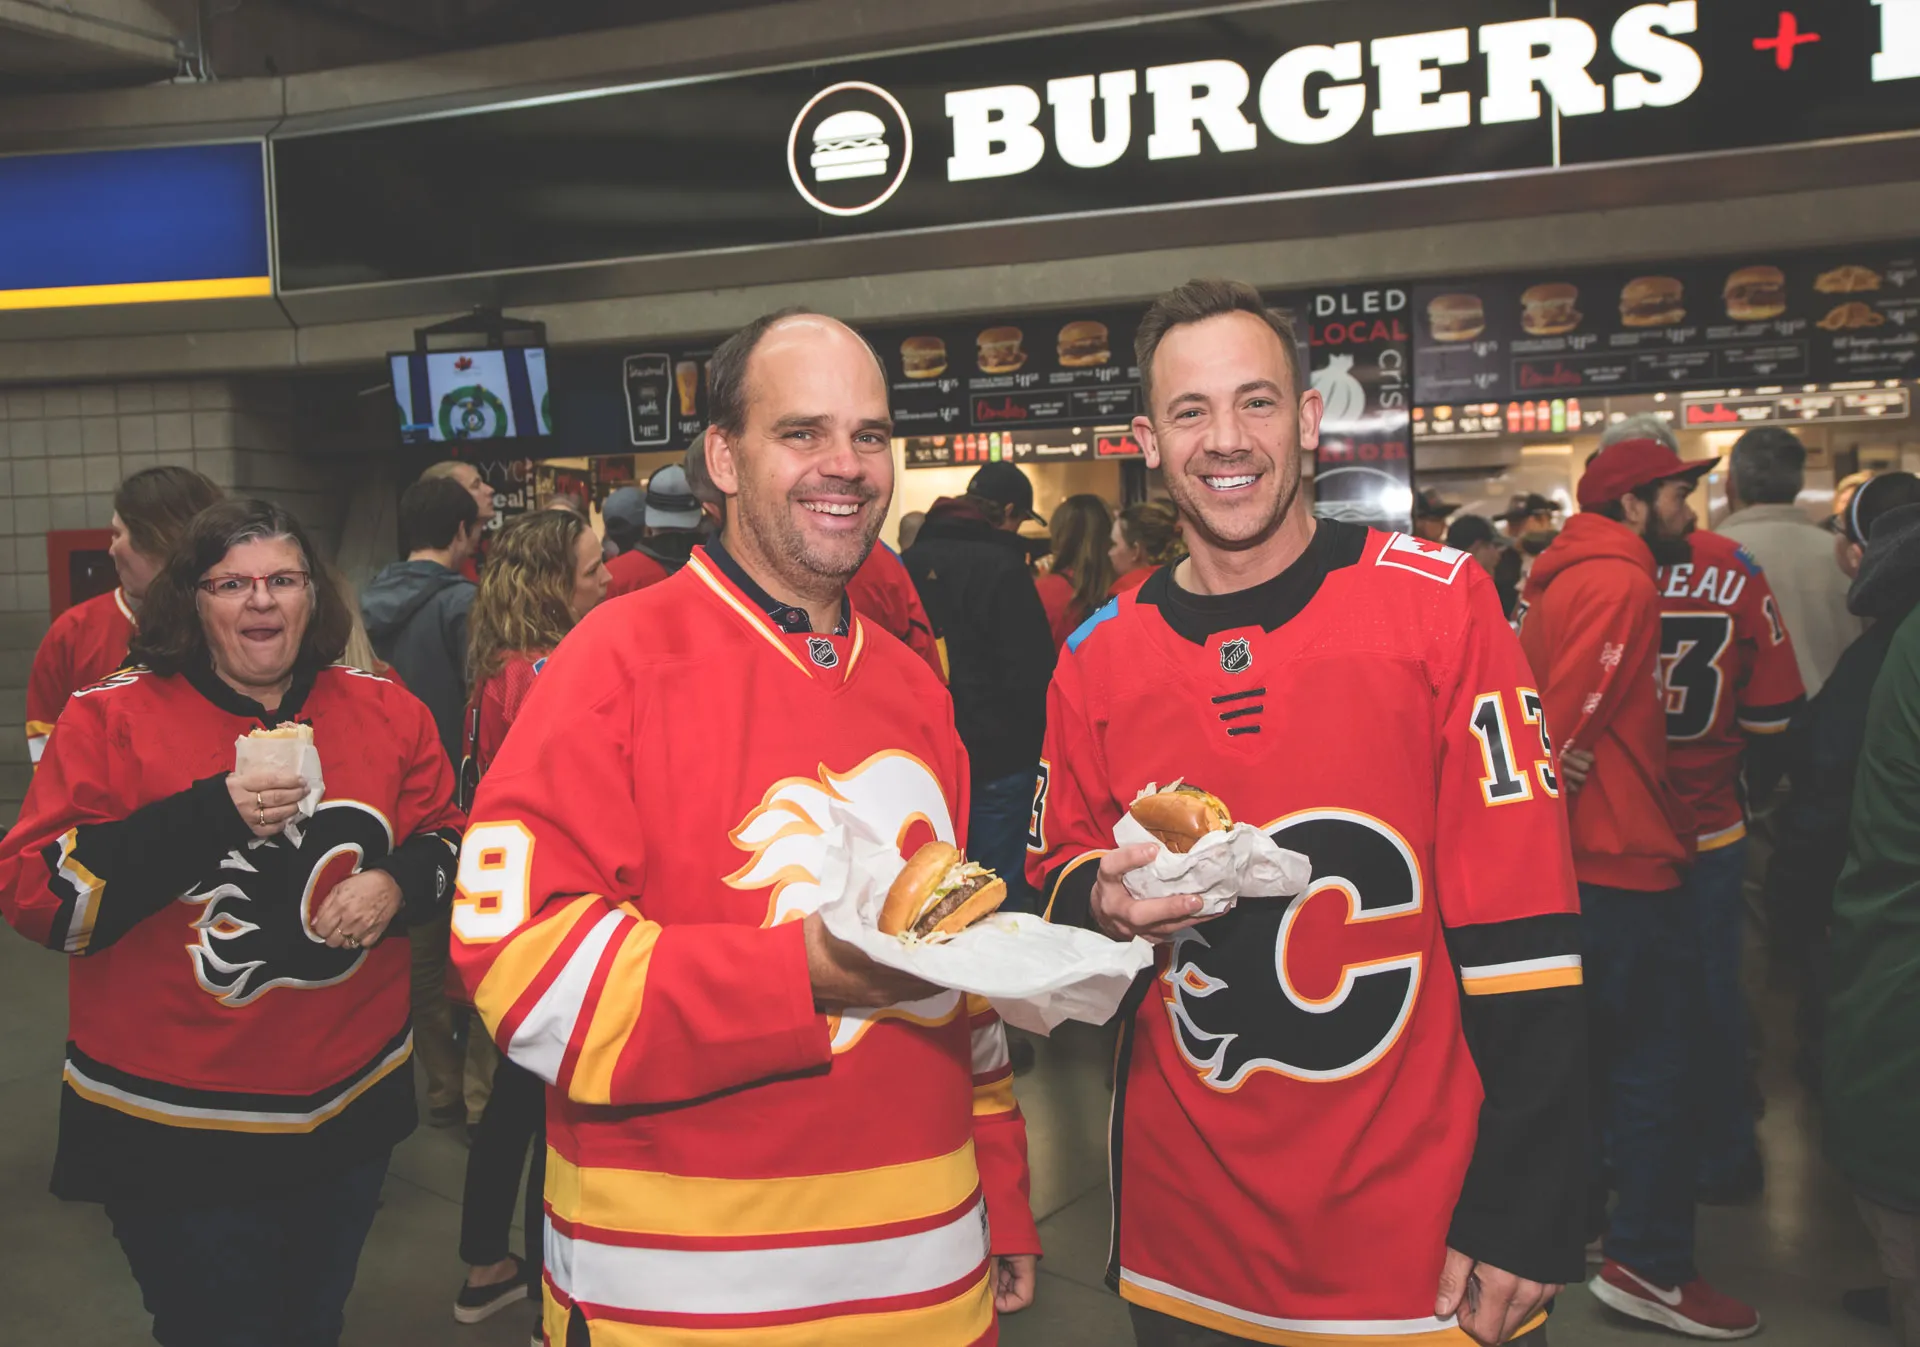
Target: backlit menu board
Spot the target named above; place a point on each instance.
(1807, 318)
(666, 395)
(1012, 372)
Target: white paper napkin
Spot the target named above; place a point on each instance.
(1222, 868)
(285, 755)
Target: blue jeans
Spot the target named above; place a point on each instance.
(272, 1271)
(997, 824)
(1642, 957)
(1722, 1106)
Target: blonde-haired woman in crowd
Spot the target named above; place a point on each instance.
(1145, 537)
(1082, 570)
(544, 573)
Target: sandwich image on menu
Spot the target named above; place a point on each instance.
(1083, 344)
(1549, 310)
(1755, 294)
(1854, 314)
(1848, 280)
(1652, 301)
(1456, 317)
(1001, 351)
(923, 357)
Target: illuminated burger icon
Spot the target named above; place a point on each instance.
(1083, 344)
(1001, 351)
(1652, 301)
(923, 357)
(1548, 310)
(851, 144)
(1456, 317)
(1755, 294)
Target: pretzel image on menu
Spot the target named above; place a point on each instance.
(1851, 315)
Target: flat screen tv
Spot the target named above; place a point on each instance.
(444, 397)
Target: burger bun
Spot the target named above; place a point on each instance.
(914, 885)
(1178, 817)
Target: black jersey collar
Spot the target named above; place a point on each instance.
(1267, 605)
(210, 685)
(793, 621)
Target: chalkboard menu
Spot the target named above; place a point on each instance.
(1803, 318)
(666, 396)
(1012, 372)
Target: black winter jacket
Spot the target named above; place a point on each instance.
(416, 615)
(979, 595)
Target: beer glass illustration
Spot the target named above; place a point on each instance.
(686, 381)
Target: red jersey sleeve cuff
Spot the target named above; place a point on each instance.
(1000, 1151)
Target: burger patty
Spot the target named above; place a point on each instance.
(947, 906)
(1088, 347)
(1647, 308)
(1758, 294)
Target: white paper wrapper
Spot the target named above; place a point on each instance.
(1036, 974)
(285, 755)
(1222, 868)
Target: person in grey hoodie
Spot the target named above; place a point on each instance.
(416, 616)
(416, 610)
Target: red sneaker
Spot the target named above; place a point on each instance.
(1694, 1309)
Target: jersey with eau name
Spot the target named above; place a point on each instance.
(84, 645)
(725, 1163)
(1310, 1110)
(216, 1043)
(1727, 670)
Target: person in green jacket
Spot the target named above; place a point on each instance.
(1872, 1101)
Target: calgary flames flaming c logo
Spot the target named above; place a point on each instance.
(896, 796)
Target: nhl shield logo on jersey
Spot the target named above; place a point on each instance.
(1236, 656)
(1422, 556)
(821, 651)
(254, 934)
(1249, 992)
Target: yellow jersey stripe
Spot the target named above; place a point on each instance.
(524, 955)
(1521, 982)
(994, 1097)
(650, 1203)
(224, 1120)
(1281, 1333)
(607, 1035)
(1726, 837)
(757, 621)
(135, 292)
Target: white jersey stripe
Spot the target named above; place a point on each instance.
(540, 1043)
(766, 1281)
(1501, 970)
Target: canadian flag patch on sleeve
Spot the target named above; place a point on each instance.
(1434, 560)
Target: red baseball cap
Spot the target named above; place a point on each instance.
(1620, 467)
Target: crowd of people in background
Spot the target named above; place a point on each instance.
(1725, 704)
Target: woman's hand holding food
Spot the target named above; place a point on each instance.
(266, 800)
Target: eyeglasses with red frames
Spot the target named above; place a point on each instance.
(240, 586)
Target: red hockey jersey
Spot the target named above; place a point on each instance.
(213, 1036)
(84, 645)
(1300, 1128)
(724, 1163)
(883, 590)
(1728, 671)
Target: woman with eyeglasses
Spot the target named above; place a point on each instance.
(238, 1065)
(543, 575)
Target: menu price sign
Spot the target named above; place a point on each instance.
(1827, 316)
(1006, 373)
(1358, 341)
(666, 398)
(1871, 404)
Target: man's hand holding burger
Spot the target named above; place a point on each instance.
(1122, 916)
(845, 978)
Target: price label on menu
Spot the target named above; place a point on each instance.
(1028, 370)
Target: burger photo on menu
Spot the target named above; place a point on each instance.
(1652, 301)
(1549, 310)
(1755, 294)
(1083, 344)
(923, 357)
(1853, 314)
(1456, 317)
(1848, 280)
(1001, 351)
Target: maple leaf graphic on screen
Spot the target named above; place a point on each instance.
(464, 363)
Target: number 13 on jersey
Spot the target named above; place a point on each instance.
(1505, 781)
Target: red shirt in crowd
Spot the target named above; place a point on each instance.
(1728, 670)
(84, 645)
(631, 571)
(1590, 624)
(1131, 581)
(882, 590)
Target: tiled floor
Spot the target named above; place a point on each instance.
(1791, 1254)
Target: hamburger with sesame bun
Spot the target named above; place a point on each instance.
(940, 892)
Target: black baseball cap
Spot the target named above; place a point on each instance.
(1005, 483)
(1428, 505)
(1520, 507)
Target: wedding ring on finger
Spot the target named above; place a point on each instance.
(262, 816)
(353, 942)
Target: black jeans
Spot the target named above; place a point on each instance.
(1153, 1329)
(274, 1271)
(515, 1119)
